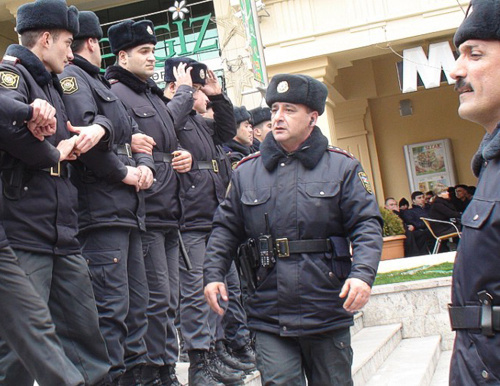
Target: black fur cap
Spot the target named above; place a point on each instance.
(129, 34)
(47, 14)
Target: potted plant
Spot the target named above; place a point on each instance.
(394, 235)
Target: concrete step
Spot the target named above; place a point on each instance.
(412, 363)
(371, 346)
(442, 373)
(358, 323)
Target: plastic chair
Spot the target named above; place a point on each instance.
(440, 239)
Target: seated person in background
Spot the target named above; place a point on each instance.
(403, 205)
(411, 247)
(444, 210)
(461, 194)
(470, 192)
(429, 198)
(411, 218)
(391, 204)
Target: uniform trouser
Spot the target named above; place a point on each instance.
(161, 254)
(475, 359)
(197, 320)
(64, 283)
(325, 359)
(233, 324)
(118, 274)
(27, 327)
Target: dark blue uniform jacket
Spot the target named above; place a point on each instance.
(313, 193)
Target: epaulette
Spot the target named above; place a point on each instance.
(247, 158)
(336, 149)
(113, 81)
(12, 60)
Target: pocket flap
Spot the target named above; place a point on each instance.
(322, 189)
(106, 96)
(144, 111)
(477, 213)
(102, 257)
(256, 197)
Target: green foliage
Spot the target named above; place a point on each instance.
(393, 225)
(419, 273)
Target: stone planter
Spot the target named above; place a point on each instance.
(394, 247)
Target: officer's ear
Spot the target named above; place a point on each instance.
(122, 57)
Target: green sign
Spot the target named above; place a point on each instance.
(249, 22)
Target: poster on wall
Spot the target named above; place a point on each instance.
(430, 165)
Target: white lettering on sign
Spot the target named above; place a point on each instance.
(415, 62)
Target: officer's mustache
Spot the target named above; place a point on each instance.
(461, 84)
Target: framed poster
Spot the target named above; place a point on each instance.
(430, 165)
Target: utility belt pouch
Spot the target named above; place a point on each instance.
(247, 261)
(341, 257)
(12, 182)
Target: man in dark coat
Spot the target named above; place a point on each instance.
(475, 291)
(261, 125)
(111, 208)
(39, 201)
(241, 145)
(315, 198)
(133, 44)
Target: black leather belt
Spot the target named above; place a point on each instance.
(485, 317)
(60, 170)
(208, 165)
(123, 150)
(285, 247)
(158, 156)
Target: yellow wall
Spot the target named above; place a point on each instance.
(434, 117)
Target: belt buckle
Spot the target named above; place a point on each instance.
(56, 172)
(282, 247)
(128, 149)
(215, 166)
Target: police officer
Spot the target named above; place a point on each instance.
(475, 292)
(133, 44)
(39, 201)
(261, 125)
(203, 188)
(241, 145)
(301, 200)
(25, 321)
(111, 207)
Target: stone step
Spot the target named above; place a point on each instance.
(442, 373)
(358, 323)
(412, 363)
(371, 346)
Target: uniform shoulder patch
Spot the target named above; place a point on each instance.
(9, 79)
(366, 183)
(335, 149)
(69, 85)
(247, 158)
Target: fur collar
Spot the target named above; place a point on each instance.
(234, 146)
(34, 66)
(309, 153)
(488, 149)
(90, 69)
(132, 81)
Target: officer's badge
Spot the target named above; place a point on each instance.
(364, 180)
(150, 30)
(9, 80)
(282, 87)
(202, 73)
(69, 85)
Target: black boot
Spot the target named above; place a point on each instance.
(232, 361)
(223, 372)
(151, 376)
(132, 377)
(199, 373)
(168, 377)
(245, 353)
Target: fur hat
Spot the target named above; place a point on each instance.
(89, 26)
(47, 14)
(297, 89)
(241, 114)
(482, 22)
(260, 114)
(198, 73)
(129, 34)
